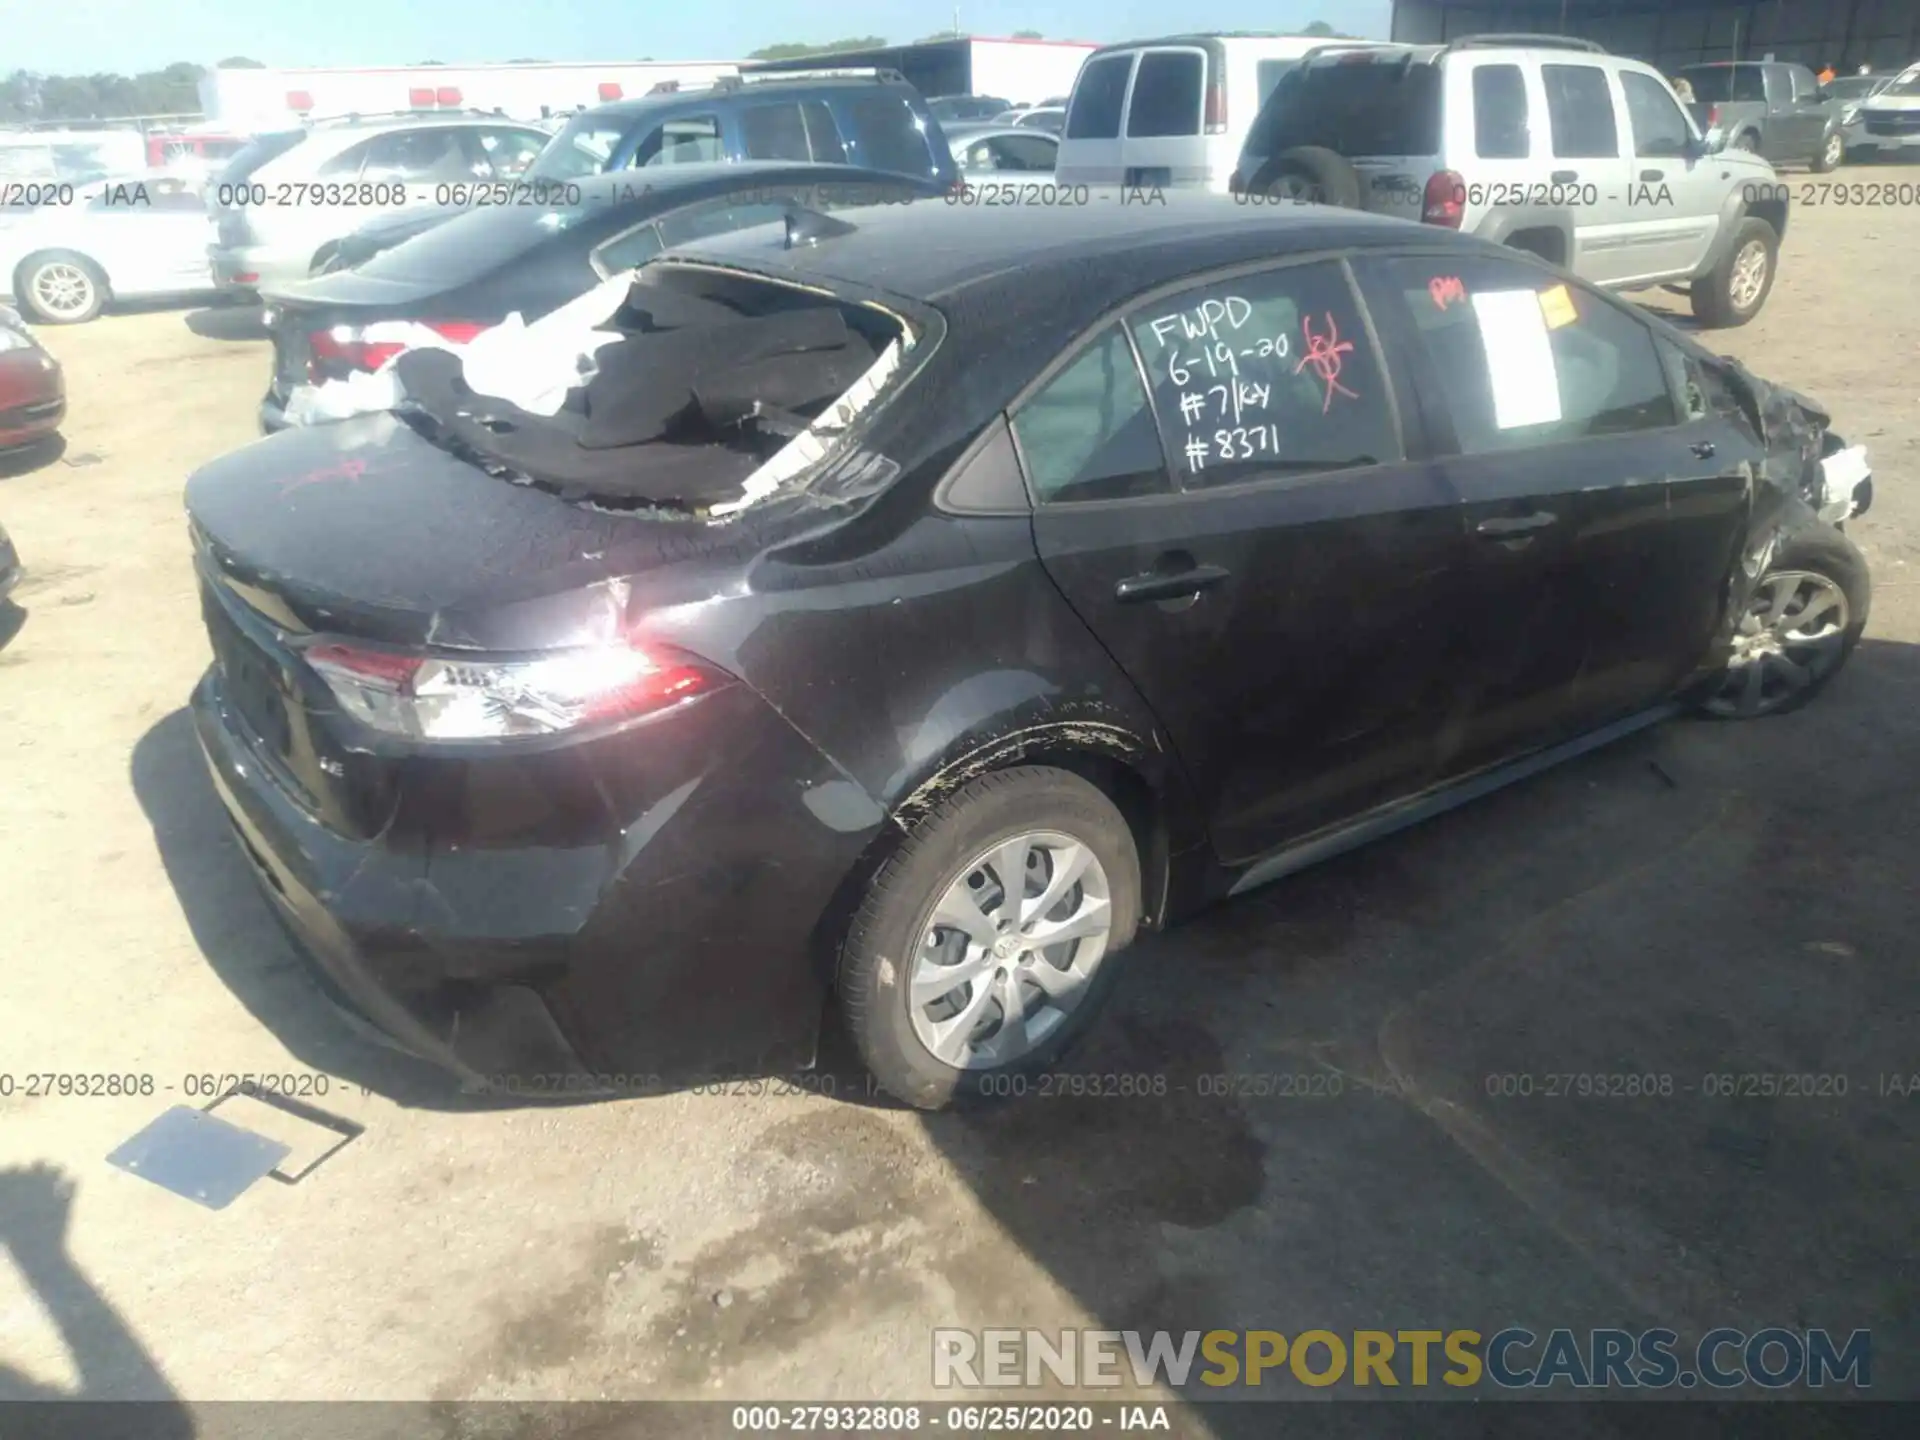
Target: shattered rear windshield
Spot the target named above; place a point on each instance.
(718, 388)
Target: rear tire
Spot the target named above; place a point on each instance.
(1731, 293)
(1801, 625)
(936, 902)
(1310, 175)
(1832, 151)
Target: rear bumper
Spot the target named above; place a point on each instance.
(670, 948)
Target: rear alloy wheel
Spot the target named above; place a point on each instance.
(1832, 151)
(987, 944)
(1795, 635)
(61, 289)
(1733, 291)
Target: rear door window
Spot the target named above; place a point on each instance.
(1272, 373)
(1361, 109)
(417, 155)
(624, 252)
(1500, 113)
(1580, 112)
(508, 154)
(1094, 110)
(1718, 84)
(775, 132)
(883, 128)
(1088, 433)
(1525, 358)
(698, 222)
(684, 140)
(1166, 94)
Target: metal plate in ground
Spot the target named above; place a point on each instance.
(199, 1156)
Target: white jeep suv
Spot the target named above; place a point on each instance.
(1545, 143)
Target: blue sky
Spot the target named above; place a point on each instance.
(125, 36)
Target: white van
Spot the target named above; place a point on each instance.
(1186, 102)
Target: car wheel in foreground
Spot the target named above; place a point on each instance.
(1733, 291)
(60, 288)
(988, 942)
(1797, 632)
(1832, 151)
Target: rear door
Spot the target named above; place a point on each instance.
(1163, 142)
(1587, 146)
(1603, 511)
(1091, 149)
(1247, 532)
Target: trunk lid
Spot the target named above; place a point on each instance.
(365, 529)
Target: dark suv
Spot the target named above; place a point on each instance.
(871, 118)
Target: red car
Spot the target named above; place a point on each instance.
(33, 392)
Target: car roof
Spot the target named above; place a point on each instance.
(933, 252)
(637, 106)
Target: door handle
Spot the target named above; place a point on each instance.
(1649, 176)
(1506, 526)
(1702, 449)
(1168, 585)
(1564, 177)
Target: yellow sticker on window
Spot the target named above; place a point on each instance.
(1557, 306)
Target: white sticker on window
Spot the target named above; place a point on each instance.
(1526, 389)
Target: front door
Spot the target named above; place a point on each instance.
(1674, 188)
(1245, 532)
(1603, 513)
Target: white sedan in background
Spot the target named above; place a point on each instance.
(79, 247)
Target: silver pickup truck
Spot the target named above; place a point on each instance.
(1887, 121)
(1774, 109)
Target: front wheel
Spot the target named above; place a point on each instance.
(60, 288)
(1800, 626)
(1832, 151)
(1732, 292)
(987, 944)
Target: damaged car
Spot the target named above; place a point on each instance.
(900, 610)
(401, 284)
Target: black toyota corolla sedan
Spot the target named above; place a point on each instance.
(909, 616)
(461, 275)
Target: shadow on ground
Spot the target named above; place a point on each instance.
(1390, 1083)
(36, 1206)
(29, 458)
(232, 321)
(1609, 1048)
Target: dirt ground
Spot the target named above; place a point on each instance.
(1702, 899)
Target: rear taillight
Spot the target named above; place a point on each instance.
(342, 349)
(1713, 118)
(1217, 105)
(442, 697)
(1445, 202)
